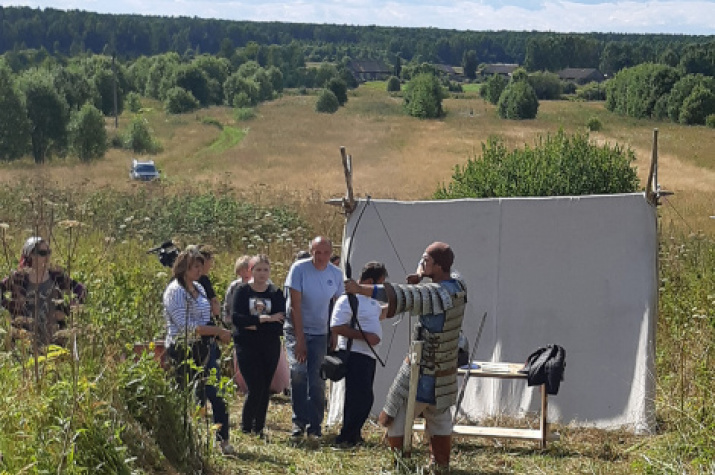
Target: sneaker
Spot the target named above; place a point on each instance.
(297, 432)
(227, 449)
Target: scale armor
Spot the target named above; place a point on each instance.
(439, 351)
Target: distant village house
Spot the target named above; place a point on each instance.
(369, 70)
(581, 75)
(502, 69)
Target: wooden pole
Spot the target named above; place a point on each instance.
(349, 199)
(415, 360)
(652, 186)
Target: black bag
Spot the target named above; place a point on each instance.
(335, 365)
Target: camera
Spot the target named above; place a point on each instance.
(166, 252)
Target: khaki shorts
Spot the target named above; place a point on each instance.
(436, 422)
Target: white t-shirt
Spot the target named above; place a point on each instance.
(369, 317)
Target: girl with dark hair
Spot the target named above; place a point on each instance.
(192, 336)
(258, 314)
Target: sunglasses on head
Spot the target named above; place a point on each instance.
(42, 252)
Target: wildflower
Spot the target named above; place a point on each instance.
(69, 223)
(4, 226)
(161, 275)
(128, 219)
(122, 226)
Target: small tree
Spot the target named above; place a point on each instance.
(469, 63)
(340, 89)
(393, 84)
(48, 114)
(327, 102)
(134, 102)
(697, 106)
(547, 86)
(518, 101)
(179, 100)
(87, 135)
(138, 137)
(14, 126)
(491, 91)
(423, 97)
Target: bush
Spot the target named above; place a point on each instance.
(340, 89)
(87, 135)
(245, 113)
(697, 106)
(393, 84)
(547, 86)
(327, 102)
(557, 165)
(635, 91)
(423, 97)
(710, 121)
(518, 101)
(491, 91)
(594, 124)
(179, 101)
(592, 91)
(139, 138)
(134, 102)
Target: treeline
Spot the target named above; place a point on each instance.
(70, 33)
(58, 107)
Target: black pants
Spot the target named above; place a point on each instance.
(257, 360)
(204, 354)
(358, 396)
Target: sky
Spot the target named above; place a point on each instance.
(693, 17)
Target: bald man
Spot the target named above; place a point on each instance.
(312, 284)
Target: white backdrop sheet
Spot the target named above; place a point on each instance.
(580, 272)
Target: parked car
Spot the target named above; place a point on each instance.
(143, 170)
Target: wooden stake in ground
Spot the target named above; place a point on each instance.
(415, 360)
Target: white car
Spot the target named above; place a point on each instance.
(143, 171)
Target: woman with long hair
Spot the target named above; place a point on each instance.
(191, 336)
(258, 314)
(35, 295)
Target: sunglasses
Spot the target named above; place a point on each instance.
(42, 252)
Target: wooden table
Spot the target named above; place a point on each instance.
(505, 371)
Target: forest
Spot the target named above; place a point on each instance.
(69, 33)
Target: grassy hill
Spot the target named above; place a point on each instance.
(274, 172)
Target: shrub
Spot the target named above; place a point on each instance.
(340, 89)
(393, 84)
(547, 86)
(698, 105)
(179, 100)
(710, 121)
(245, 113)
(594, 124)
(592, 91)
(557, 165)
(138, 137)
(493, 88)
(134, 102)
(87, 135)
(635, 91)
(327, 102)
(423, 97)
(518, 101)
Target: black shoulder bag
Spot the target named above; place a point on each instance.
(335, 364)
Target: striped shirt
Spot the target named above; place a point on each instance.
(183, 313)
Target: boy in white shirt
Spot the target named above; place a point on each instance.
(361, 362)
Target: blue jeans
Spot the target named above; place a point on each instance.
(307, 387)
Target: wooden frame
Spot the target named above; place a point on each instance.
(505, 371)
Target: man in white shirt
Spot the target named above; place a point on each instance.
(361, 361)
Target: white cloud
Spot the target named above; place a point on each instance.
(627, 16)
